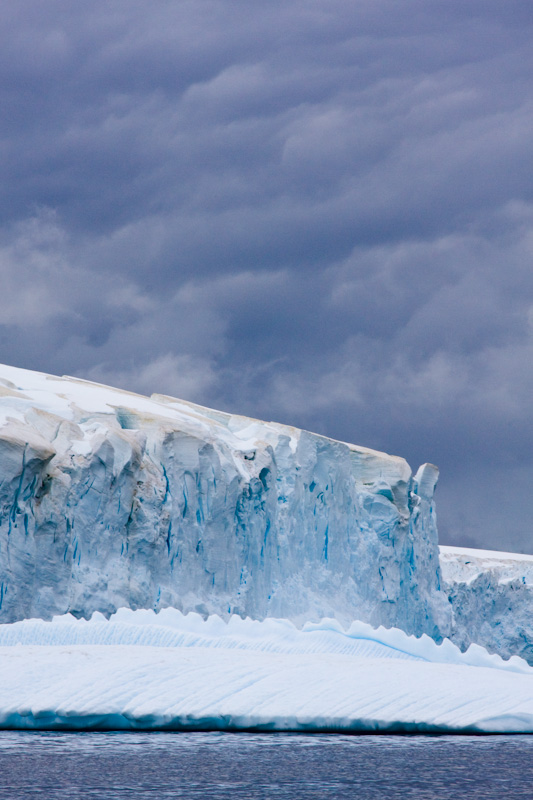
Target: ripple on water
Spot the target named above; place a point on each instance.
(221, 766)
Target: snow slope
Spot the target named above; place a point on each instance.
(145, 671)
(111, 499)
(491, 594)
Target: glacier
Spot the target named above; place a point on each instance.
(140, 670)
(110, 499)
(185, 568)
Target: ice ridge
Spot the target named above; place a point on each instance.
(171, 628)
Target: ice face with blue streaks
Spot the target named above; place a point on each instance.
(111, 499)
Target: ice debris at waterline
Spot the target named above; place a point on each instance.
(142, 671)
(111, 499)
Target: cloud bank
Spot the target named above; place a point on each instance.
(318, 212)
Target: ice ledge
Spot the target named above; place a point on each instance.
(491, 594)
(464, 554)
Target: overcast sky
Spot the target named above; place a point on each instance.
(313, 211)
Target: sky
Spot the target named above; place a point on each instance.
(318, 212)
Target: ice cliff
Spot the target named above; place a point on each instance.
(491, 594)
(111, 499)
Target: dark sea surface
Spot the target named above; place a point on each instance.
(220, 766)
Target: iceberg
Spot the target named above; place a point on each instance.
(168, 671)
(168, 566)
(109, 499)
(491, 595)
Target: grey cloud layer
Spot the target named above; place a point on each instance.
(320, 212)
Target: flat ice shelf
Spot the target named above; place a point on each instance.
(142, 671)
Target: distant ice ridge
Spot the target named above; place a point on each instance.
(171, 628)
(491, 594)
(111, 499)
(141, 670)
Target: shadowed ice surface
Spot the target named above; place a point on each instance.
(221, 765)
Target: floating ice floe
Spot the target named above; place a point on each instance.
(146, 671)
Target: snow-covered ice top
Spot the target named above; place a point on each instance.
(25, 392)
(111, 499)
(464, 564)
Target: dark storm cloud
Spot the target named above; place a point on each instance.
(320, 212)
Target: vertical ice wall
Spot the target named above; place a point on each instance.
(491, 595)
(110, 499)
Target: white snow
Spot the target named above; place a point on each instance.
(474, 554)
(145, 671)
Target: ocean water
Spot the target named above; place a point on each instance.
(220, 766)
